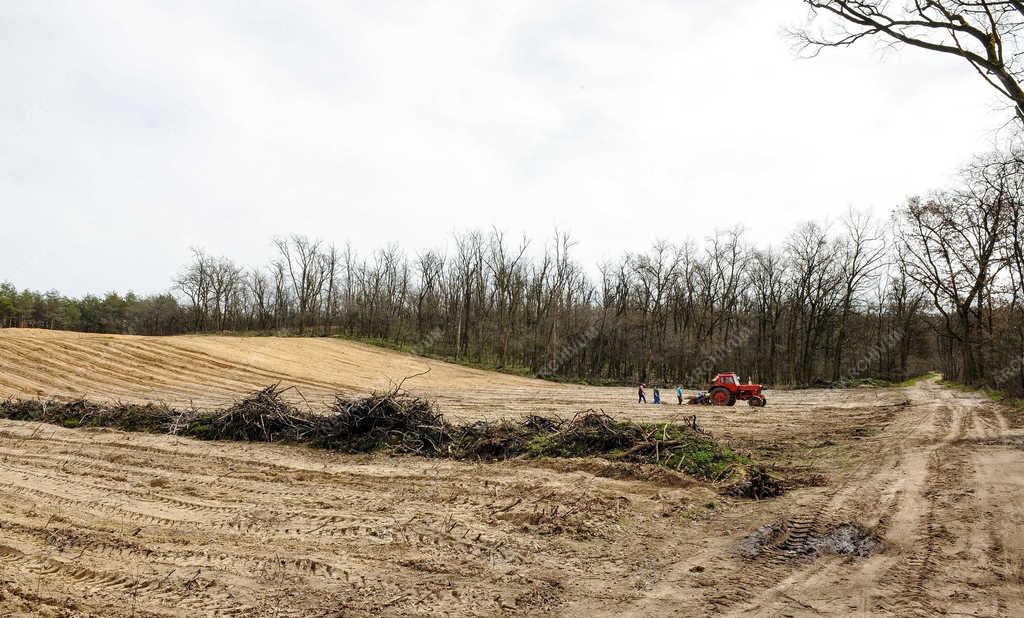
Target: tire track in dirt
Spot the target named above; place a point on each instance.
(917, 490)
(116, 586)
(794, 561)
(941, 533)
(999, 468)
(888, 501)
(310, 533)
(738, 584)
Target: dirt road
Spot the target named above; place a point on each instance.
(941, 487)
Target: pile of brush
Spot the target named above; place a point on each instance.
(683, 447)
(264, 416)
(399, 423)
(389, 420)
(82, 413)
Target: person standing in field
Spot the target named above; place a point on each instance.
(642, 399)
(657, 395)
(679, 393)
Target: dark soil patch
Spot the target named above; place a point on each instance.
(846, 539)
(761, 540)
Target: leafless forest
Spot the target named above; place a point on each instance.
(936, 286)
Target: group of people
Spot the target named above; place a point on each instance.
(657, 394)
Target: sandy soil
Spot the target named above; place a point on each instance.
(208, 371)
(96, 522)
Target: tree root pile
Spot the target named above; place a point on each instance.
(756, 483)
(395, 422)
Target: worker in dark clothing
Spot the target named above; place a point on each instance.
(643, 399)
(657, 395)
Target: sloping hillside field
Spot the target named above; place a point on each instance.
(897, 501)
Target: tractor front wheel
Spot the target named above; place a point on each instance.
(757, 402)
(721, 397)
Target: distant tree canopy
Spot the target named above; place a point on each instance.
(156, 315)
(939, 286)
(983, 33)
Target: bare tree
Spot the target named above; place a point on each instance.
(301, 259)
(468, 266)
(430, 267)
(224, 290)
(813, 292)
(656, 274)
(950, 245)
(259, 290)
(505, 267)
(862, 257)
(330, 262)
(905, 300)
(768, 278)
(195, 283)
(983, 33)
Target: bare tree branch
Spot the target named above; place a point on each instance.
(984, 33)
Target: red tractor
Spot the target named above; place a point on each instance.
(725, 389)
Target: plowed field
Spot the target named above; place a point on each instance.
(105, 523)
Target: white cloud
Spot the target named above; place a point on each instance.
(130, 131)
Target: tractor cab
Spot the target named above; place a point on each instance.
(727, 379)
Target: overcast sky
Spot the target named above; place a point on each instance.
(130, 131)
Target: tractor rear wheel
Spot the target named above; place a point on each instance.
(721, 396)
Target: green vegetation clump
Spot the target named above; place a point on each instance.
(81, 413)
(869, 382)
(995, 395)
(676, 446)
(917, 379)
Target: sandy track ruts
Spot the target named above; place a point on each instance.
(107, 523)
(940, 486)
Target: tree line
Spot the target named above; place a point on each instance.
(778, 315)
(159, 314)
(939, 285)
